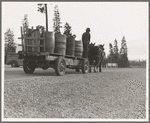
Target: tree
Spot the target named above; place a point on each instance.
(115, 52)
(123, 54)
(67, 30)
(43, 9)
(123, 49)
(104, 61)
(25, 23)
(56, 20)
(115, 48)
(110, 57)
(9, 41)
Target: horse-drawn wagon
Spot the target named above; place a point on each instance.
(38, 49)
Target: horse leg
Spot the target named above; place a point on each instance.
(91, 62)
(96, 65)
(95, 69)
(100, 66)
(90, 69)
(100, 69)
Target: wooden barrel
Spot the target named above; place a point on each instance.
(78, 48)
(49, 42)
(70, 46)
(60, 44)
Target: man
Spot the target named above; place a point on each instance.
(86, 40)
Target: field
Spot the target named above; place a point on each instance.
(114, 93)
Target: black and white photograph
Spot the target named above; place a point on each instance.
(74, 61)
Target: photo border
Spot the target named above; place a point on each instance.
(2, 59)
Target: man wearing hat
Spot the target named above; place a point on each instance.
(86, 40)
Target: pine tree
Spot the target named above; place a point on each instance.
(110, 57)
(115, 52)
(123, 53)
(25, 23)
(115, 48)
(104, 61)
(43, 9)
(9, 41)
(123, 49)
(110, 48)
(56, 24)
(67, 30)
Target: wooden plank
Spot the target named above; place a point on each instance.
(22, 40)
(55, 54)
(30, 45)
(44, 38)
(44, 53)
(51, 58)
(36, 41)
(71, 57)
(32, 35)
(32, 42)
(80, 58)
(77, 62)
(69, 61)
(39, 50)
(34, 38)
(73, 62)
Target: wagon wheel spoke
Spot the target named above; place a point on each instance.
(85, 66)
(61, 66)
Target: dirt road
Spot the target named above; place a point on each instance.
(114, 93)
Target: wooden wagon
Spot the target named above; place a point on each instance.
(35, 56)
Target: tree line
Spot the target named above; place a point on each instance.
(137, 63)
(117, 56)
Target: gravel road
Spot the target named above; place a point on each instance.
(114, 93)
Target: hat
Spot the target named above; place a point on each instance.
(88, 29)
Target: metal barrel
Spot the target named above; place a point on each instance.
(78, 48)
(60, 44)
(70, 46)
(50, 42)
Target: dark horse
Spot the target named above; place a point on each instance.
(96, 54)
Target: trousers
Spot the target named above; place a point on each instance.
(85, 49)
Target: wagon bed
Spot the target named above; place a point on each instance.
(58, 62)
(36, 54)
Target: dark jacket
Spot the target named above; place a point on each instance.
(86, 37)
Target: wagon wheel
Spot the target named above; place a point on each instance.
(28, 66)
(85, 66)
(60, 66)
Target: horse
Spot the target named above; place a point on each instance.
(95, 56)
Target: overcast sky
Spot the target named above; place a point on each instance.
(107, 20)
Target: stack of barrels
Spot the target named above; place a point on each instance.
(58, 43)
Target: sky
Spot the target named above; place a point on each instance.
(107, 20)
